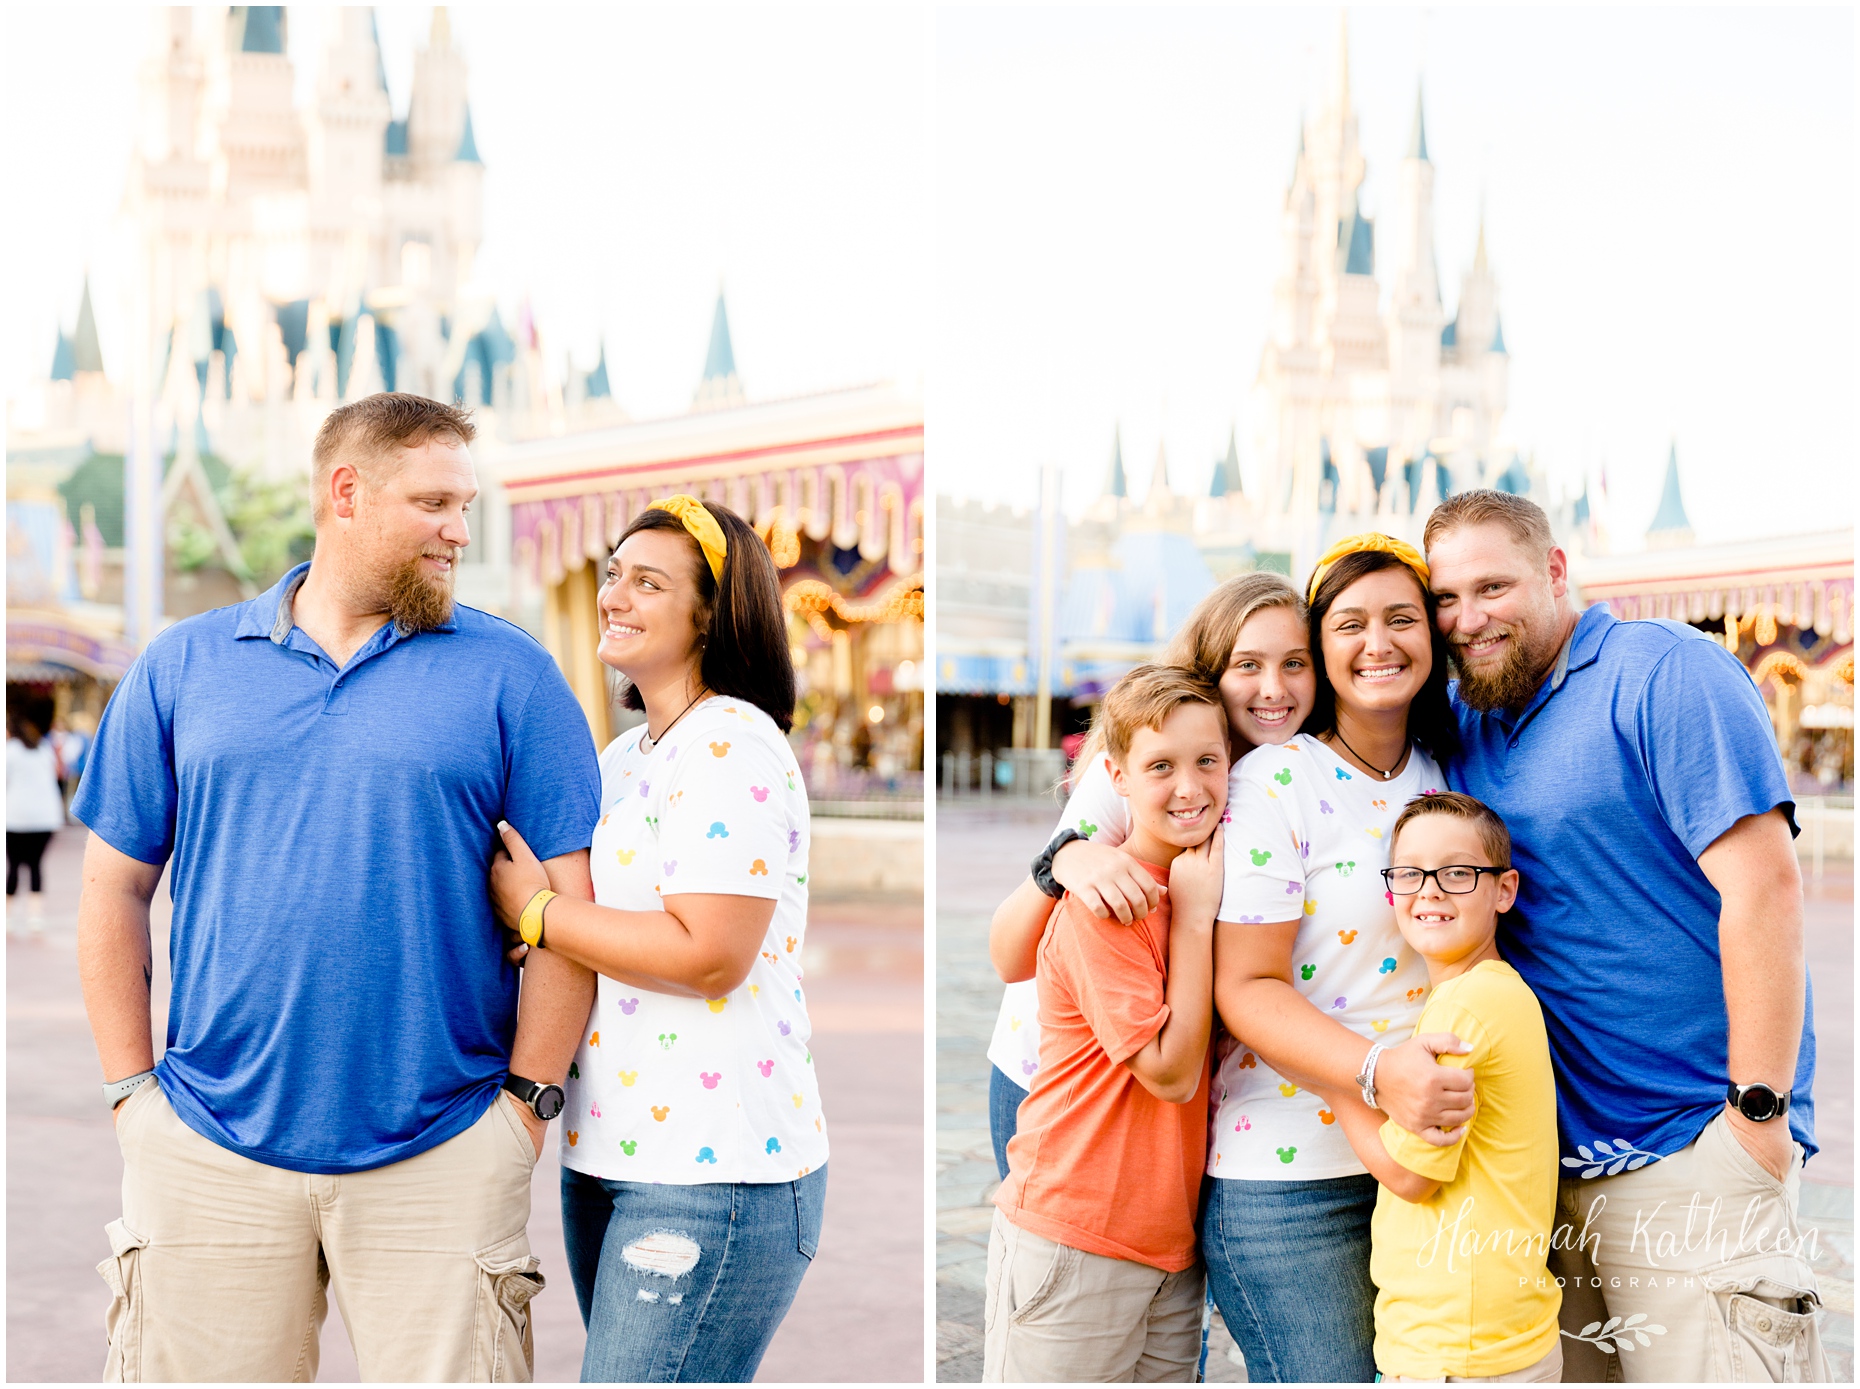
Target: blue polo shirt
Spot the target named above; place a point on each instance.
(341, 998)
(1647, 743)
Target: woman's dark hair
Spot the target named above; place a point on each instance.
(1430, 717)
(744, 625)
(26, 731)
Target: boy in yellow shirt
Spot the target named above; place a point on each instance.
(1461, 1234)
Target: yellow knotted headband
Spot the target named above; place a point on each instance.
(701, 525)
(1359, 544)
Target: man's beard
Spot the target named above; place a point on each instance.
(1512, 684)
(419, 601)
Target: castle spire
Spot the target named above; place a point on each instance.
(86, 355)
(1670, 526)
(1417, 138)
(720, 385)
(1115, 482)
(1226, 481)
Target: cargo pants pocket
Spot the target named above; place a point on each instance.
(508, 1277)
(1769, 1325)
(122, 1324)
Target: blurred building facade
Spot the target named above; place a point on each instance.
(286, 259)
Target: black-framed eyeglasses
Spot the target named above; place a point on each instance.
(1456, 879)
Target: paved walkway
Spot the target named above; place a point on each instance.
(982, 852)
(860, 1312)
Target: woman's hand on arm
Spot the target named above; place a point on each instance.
(1014, 934)
(1108, 882)
(702, 945)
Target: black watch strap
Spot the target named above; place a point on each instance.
(545, 1101)
(1043, 865)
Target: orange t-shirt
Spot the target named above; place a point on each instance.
(1097, 1161)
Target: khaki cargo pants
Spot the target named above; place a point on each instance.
(1697, 1262)
(220, 1265)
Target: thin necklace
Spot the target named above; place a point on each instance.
(1338, 732)
(648, 742)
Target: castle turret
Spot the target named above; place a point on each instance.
(1671, 530)
(720, 387)
(1414, 311)
(436, 109)
(346, 130)
(254, 139)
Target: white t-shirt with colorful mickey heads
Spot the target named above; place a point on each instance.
(1307, 837)
(1096, 811)
(689, 1090)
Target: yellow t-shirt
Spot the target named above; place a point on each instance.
(1462, 1287)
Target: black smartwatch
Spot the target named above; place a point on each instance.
(545, 1101)
(1757, 1103)
(1043, 865)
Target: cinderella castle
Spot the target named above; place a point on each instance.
(1371, 403)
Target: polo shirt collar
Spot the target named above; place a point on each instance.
(1582, 649)
(271, 614)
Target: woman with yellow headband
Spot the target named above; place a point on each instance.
(693, 1147)
(1312, 973)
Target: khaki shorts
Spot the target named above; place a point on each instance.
(219, 1266)
(1696, 1261)
(1058, 1314)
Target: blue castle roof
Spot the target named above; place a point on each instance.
(468, 147)
(720, 360)
(256, 29)
(1672, 513)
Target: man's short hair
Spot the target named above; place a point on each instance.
(368, 431)
(1525, 520)
(1494, 838)
(1145, 697)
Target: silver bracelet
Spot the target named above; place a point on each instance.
(116, 1091)
(1367, 1079)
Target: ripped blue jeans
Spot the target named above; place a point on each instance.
(686, 1284)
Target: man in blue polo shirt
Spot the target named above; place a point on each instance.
(322, 770)
(1659, 921)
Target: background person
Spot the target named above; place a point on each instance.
(1248, 637)
(1314, 980)
(694, 1159)
(1092, 1268)
(35, 811)
(327, 1111)
(1659, 921)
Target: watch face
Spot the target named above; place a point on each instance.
(1757, 1103)
(549, 1101)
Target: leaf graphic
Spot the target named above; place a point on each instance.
(1574, 1162)
(1656, 1330)
(1624, 1146)
(1611, 1324)
(1618, 1164)
(1643, 1338)
(1601, 1146)
(1640, 1162)
(1587, 1155)
(1624, 1344)
(1592, 1172)
(1635, 1319)
(1590, 1329)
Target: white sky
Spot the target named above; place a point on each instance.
(1670, 213)
(634, 157)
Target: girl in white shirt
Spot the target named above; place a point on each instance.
(1248, 636)
(694, 1150)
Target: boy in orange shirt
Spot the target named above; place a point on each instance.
(1093, 1272)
